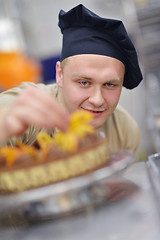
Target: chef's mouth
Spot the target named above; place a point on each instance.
(93, 111)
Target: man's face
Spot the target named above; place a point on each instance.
(92, 83)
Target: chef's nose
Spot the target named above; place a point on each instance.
(96, 98)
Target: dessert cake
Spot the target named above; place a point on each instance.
(78, 151)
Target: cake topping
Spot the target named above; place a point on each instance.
(79, 127)
(68, 141)
(52, 159)
(12, 153)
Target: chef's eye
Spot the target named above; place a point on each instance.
(110, 84)
(84, 83)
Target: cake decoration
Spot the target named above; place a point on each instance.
(64, 155)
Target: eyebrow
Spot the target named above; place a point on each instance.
(82, 76)
(118, 80)
(115, 80)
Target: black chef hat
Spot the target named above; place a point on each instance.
(84, 32)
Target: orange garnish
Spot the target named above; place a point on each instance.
(66, 141)
(79, 127)
(44, 139)
(10, 154)
(27, 149)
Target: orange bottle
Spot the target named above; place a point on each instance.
(16, 68)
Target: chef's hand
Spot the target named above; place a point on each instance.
(33, 107)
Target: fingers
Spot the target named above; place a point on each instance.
(35, 107)
(12, 126)
(44, 109)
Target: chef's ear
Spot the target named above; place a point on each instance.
(59, 74)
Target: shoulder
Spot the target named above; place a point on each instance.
(51, 89)
(124, 118)
(126, 124)
(13, 92)
(8, 97)
(128, 128)
(122, 131)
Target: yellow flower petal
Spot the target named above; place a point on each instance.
(79, 126)
(66, 141)
(44, 139)
(80, 117)
(82, 130)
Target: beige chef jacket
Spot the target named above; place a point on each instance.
(120, 129)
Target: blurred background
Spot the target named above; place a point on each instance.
(30, 44)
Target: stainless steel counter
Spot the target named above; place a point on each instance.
(132, 218)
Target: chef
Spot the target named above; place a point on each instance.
(97, 59)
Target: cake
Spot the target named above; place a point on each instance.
(52, 159)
